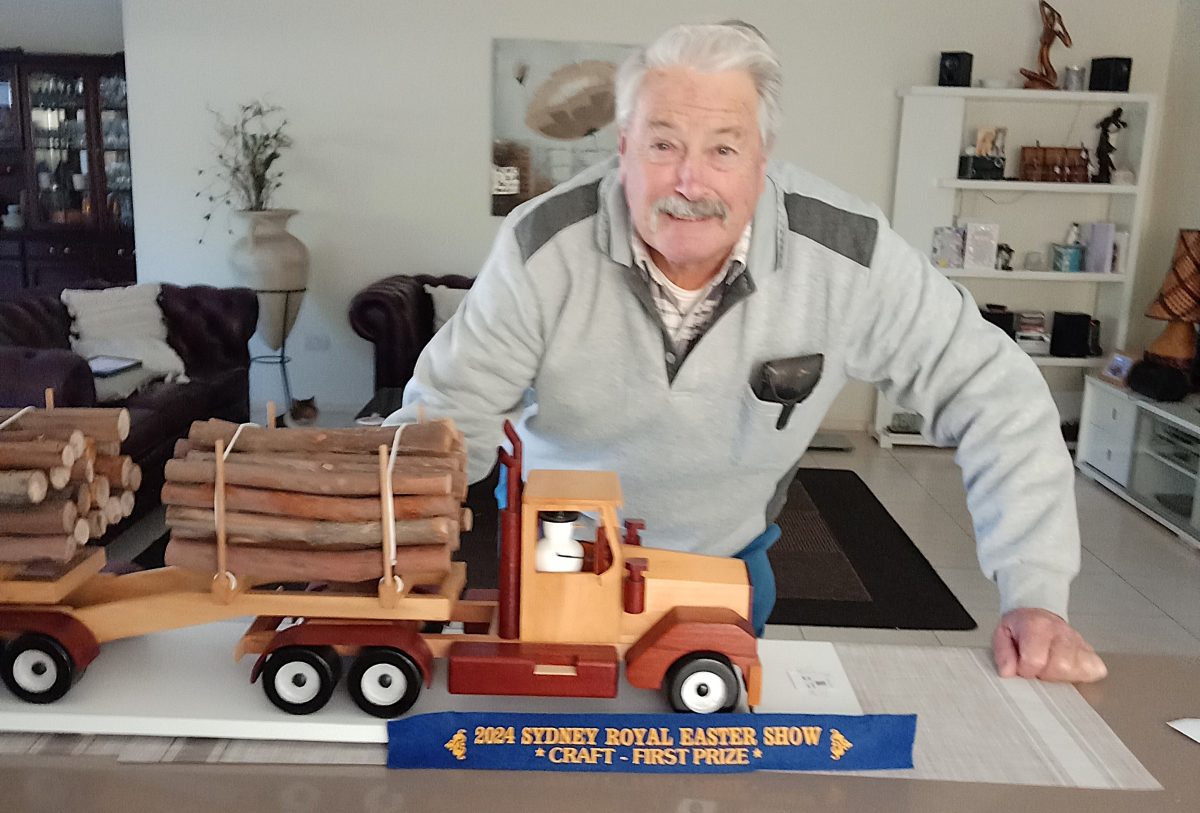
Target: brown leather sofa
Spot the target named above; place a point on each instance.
(396, 314)
(208, 327)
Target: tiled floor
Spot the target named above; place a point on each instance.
(1138, 589)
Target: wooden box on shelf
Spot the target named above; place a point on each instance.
(1055, 164)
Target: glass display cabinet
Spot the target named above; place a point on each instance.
(114, 137)
(64, 141)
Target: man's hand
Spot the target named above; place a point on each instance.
(1034, 643)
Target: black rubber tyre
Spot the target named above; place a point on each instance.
(37, 668)
(384, 682)
(298, 679)
(333, 659)
(703, 683)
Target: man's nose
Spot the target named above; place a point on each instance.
(691, 177)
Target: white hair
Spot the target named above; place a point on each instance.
(729, 46)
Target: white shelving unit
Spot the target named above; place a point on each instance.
(938, 122)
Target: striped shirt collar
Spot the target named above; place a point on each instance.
(685, 316)
(733, 266)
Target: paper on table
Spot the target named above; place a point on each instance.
(1188, 726)
(804, 677)
(1014, 731)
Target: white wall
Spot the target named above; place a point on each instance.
(61, 26)
(1176, 201)
(390, 101)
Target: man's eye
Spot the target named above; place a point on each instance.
(726, 151)
(660, 146)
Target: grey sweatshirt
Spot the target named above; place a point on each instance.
(559, 333)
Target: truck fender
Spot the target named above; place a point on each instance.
(69, 631)
(402, 636)
(686, 630)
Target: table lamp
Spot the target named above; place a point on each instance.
(1178, 303)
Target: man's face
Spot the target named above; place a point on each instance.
(692, 138)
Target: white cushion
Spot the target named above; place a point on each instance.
(128, 311)
(445, 302)
(124, 322)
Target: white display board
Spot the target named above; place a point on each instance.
(185, 683)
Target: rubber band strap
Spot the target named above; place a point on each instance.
(237, 434)
(389, 508)
(13, 419)
(219, 508)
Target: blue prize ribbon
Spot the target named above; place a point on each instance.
(652, 743)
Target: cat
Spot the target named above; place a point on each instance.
(304, 411)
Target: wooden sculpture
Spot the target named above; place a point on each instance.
(1053, 28)
(1105, 148)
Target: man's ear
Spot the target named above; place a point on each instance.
(622, 145)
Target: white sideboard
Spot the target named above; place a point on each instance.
(1146, 451)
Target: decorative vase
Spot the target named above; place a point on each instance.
(274, 263)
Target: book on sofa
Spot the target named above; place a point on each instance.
(105, 366)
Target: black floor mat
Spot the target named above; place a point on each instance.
(844, 562)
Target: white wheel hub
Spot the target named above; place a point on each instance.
(35, 671)
(383, 684)
(704, 692)
(297, 682)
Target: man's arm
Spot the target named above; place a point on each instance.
(478, 367)
(921, 340)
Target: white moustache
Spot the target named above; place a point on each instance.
(685, 209)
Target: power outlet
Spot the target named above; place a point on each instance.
(318, 343)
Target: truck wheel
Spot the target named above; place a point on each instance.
(37, 668)
(333, 659)
(298, 680)
(384, 682)
(702, 684)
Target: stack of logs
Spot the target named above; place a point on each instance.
(305, 504)
(63, 480)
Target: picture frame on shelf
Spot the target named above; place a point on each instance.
(981, 245)
(1116, 368)
(949, 243)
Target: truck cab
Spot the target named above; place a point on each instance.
(675, 618)
(565, 607)
(623, 588)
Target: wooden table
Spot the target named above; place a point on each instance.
(1141, 693)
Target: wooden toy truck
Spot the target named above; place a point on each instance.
(677, 620)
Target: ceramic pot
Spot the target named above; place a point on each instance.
(272, 261)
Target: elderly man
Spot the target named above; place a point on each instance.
(626, 316)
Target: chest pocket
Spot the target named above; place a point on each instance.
(767, 434)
